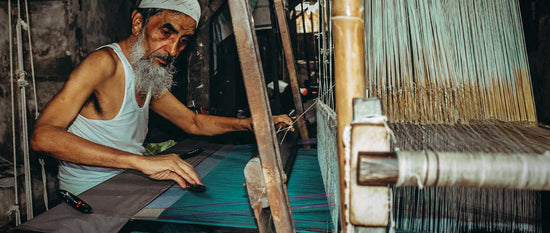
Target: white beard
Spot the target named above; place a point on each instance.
(149, 78)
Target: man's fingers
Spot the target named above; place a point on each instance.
(190, 171)
(183, 174)
(178, 179)
(172, 167)
(195, 179)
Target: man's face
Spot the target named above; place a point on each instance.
(166, 35)
(156, 48)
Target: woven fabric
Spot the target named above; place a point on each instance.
(225, 203)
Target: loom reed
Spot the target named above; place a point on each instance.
(432, 61)
(452, 76)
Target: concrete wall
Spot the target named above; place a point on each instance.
(63, 33)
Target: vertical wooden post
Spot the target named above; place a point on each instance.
(247, 47)
(291, 65)
(349, 72)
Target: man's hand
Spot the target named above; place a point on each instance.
(283, 121)
(169, 167)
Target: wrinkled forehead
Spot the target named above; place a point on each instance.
(176, 21)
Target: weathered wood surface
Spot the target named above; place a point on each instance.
(291, 66)
(349, 73)
(377, 169)
(264, 130)
(257, 195)
(255, 186)
(369, 206)
(460, 169)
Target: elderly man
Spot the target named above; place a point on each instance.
(97, 123)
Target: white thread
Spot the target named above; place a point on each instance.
(418, 180)
(346, 138)
(392, 219)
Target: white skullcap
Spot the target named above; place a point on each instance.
(188, 7)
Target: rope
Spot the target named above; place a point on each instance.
(23, 103)
(347, 177)
(16, 188)
(286, 129)
(36, 113)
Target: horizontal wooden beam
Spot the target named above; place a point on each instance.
(444, 169)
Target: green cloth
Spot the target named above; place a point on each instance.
(155, 148)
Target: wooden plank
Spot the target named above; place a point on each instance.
(255, 186)
(349, 75)
(291, 66)
(377, 168)
(257, 195)
(264, 129)
(369, 205)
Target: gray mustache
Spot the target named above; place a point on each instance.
(169, 59)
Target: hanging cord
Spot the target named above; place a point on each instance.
(15, 207)
(22, 83)
(301, 115)
(27, 26)
(36, 112)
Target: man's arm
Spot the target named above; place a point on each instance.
(173, 110)
(50, 133)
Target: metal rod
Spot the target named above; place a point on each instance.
(304, 37)
(314, 51)
(444, 169)
(291, 65)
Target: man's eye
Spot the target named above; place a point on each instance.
(166, 32)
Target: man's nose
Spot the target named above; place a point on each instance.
(173, 48)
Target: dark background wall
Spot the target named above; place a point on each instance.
(536, 24)
(63, 33)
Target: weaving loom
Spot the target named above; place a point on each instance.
(453, 80)
(310, 206)
(224, 204)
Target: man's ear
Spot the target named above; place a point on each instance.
(137, 22)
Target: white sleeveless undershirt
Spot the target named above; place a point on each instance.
(126, 132)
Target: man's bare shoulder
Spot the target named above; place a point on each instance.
(102, 64)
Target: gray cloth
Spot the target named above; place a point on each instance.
(114, 201)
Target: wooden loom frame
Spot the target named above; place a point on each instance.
(347, 19)
(367, 208)
(266, 171)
